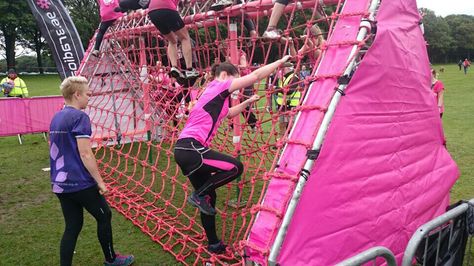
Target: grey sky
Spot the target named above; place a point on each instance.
(448, 7)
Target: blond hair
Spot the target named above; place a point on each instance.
(70, 85)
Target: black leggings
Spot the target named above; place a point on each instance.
(133, 4)
(103, 27)
(248, 23)
(207, 170)
(72, 205)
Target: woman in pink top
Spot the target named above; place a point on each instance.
(208, 169)
(107, 18)
(438, 90)
(164, 15)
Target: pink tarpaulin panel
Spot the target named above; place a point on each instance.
(28, 115)
(279, 190)
(383, 170)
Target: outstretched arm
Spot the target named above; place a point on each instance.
(236, 110)
(257, 75)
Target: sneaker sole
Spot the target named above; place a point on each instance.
(128, 264)
(192, 202)
(218, 8)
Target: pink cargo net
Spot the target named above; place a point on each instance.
(137, 112)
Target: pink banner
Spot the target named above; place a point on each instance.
(30, 115)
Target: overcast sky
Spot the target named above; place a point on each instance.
(448, 7)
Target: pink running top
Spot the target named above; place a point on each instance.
(107, 12)
(163, 4)
(437, 88)
(207, 115)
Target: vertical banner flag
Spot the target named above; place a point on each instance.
(60, 33)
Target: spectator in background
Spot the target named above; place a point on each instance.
(107, 18)
(466, 64)
(14, 86)
(288, 96)
(460, 64)
(437, 87)
(305, 72)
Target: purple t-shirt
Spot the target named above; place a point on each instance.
(68, 173)
(206, 116)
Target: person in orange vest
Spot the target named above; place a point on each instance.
(13, 86)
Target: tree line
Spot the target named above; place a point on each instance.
(18, 28)
(449, 38)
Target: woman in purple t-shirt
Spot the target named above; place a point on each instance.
(208, 169)
(75, 176)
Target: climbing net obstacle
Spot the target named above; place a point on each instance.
(137, 111)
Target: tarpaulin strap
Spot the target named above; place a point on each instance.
(258, 208)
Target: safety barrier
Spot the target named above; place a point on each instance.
(370, 255)
(439, 232)
(442, 226)
(27, 115)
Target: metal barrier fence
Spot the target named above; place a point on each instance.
(441, 231)
(370, 255)
(437, 231)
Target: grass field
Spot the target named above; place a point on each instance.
(41, 85)
(31, 222)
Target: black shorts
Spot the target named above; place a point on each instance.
(283, 2)
(166, 20)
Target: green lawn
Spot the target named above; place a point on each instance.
(41, 85)
(458, 123)
(31, 222)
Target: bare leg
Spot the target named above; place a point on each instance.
(277, 11)
(183, 36)
(172, 48)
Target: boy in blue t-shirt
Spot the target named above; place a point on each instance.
(75, 177)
